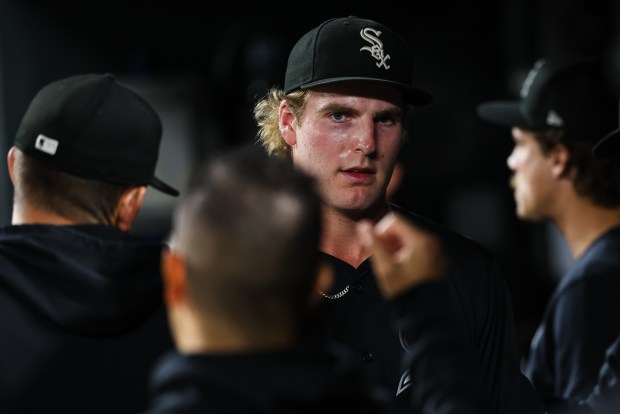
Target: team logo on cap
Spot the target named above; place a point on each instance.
(46, 144)
(376, 50)
(529, 79)
(553, 119)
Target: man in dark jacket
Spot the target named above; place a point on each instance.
(241, 274)
(81, 309)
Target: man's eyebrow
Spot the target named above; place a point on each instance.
(337, 107)
(395, 112)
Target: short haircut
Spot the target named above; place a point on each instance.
(596, 179)
(248, 228)
(81, 200)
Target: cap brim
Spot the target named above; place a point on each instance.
(413, 95)
(608, 146)
(163, 187)
(506, 113)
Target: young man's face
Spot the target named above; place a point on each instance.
(533, 180)
(349, 139)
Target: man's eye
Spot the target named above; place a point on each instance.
(386, 120)
(338, 116)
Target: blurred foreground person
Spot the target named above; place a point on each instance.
(241, 274)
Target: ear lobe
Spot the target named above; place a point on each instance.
(286, 124)
(560, 157)
(174, 277)
(129, 206)
(10, 158)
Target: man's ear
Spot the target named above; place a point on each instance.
(10, 159)
(560, 157)
(287, 124)
(323, 282)
(175, 278)
(128, 207)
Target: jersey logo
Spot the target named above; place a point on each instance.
(376, 50)
(405, 378)
(404, 383)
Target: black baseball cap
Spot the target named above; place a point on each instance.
(94, 127)
(353, 49)
(608, 147)
(566, 92)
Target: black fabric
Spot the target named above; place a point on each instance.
(297, 380)
(353, 49)
(442, 367)
(579, 324)
(567, 92)
(82, 316)
(360, 319)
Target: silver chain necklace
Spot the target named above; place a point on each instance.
(336, 295)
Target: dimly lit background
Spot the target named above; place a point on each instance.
(203, 65)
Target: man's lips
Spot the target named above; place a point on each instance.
(360, 174)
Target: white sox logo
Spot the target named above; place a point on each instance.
(376, 50)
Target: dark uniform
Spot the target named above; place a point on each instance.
(297, 380)
(581, 321)
(358, 316)
(82, 319)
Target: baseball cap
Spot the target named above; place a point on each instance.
(92, 126)
(609, 146)
(567, 92)
(353, 49)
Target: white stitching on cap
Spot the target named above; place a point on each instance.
(376, 50)
(531, 75)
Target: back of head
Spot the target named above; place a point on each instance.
(248, 228)
(95, 129)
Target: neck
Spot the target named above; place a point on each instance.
(196, 335)
(37, 216)
(584, 222)
(340, 237)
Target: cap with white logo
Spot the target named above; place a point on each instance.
(353, 49)
(92, 126)
(567, 92)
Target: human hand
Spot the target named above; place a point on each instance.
(402, 254)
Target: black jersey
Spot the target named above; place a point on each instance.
(356, 314)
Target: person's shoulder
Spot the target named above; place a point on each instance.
(450, 238)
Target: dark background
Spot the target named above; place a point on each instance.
(203, 65)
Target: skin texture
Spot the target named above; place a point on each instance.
(534, 176)
(403, 255)
(349, 142)
(123, 217)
